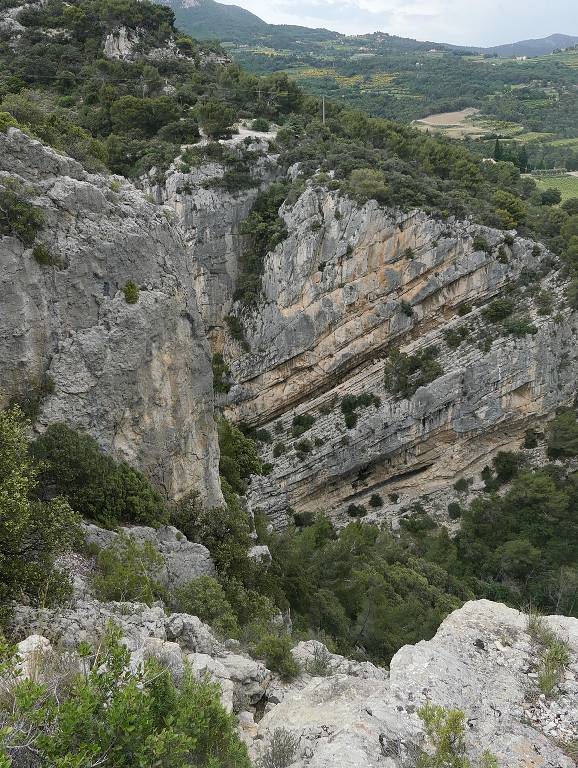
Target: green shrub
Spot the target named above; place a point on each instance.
(454, 510)
(7, 121)
(32, 395)
(406, 308)
(42, 256)
(531, 438)
(481, 244)
(126, 572)
(237, 331)
(279, 449)
(302, 423)
(280, 751)
(405, 374)
(264, 229)
(376, 501)
(498, 310)
(221, 374)
(275, 650)
(462, 485)
(506, 465)
(205, 597)
(563, 435)
(18, 217)
(261, 125)
(216, 118)
(351, 403)
(73, 466)
(520, 326)
(32, 533)
(131, 292)
(303, 519)
(356, 510)
(302, 448)
(111, 715)
(445, 730)
(224, 531)
(453, 337)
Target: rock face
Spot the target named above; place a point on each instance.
(482, 661)
(136, 377)
(210, 219)
(347, 286)
(183, 560)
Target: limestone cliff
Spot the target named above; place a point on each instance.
(135, 376)
(348, 285)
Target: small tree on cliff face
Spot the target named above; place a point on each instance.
(32, 533)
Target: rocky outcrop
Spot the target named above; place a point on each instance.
(137, 377)
(482, 661)
(183, 560)
(210, 219)
(348, 285)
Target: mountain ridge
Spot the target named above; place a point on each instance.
(209, 19)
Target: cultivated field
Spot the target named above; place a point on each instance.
(568, 184)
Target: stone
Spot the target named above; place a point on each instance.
(183, 560)
(31, 651)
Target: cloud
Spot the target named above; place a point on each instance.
(473, 22)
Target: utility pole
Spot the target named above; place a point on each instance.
(323, 110)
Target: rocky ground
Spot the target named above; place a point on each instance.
(350, 714)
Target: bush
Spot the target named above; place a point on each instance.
(126, 572)
(279, 449)
(454, 510)
(275, 650)
(112, 715)
(32, 533)
(224, 531)
(73, 466)
(221, 374)
(131, 292)
(407, 309)
(446, 733)
(205, 597)
(405, 374)
(261, 125)
(42, 256)
(351, 403)
(281, 750)
(520, 326)
(302, 423)
(356, 510)
(264, 229)
(32, 395)
(481, 244)
(216, 118)
(18, 217)
(368, 184)
(376, 501)
(461, 485)
(6, 121)
(498, 310)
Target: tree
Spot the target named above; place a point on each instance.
(96, 486)
(563, 435)
(368, 184)
(215, 118)
(498, 151)
(551, 196)
(32, 533)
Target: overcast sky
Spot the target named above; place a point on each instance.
(464, 22)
